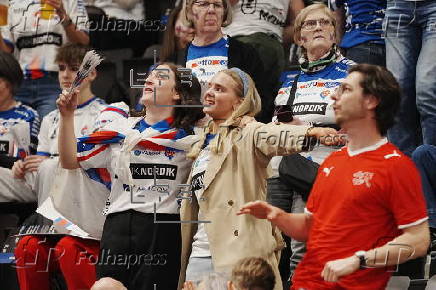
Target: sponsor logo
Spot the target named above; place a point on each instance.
(4, 147)
(327, 170)
(170, 153)
(146, 152)
(324, 94)
(39, 39)
(309, 108)
(150, 171)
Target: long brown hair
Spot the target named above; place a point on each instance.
(169, 45)
(189, 89)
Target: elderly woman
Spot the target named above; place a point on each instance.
(308, 98)
(211, 51)
(231, 168)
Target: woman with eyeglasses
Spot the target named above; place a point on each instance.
(230, 169)
(212, 51)
(307, 98)
(146, 159)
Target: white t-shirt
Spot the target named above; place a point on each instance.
(114, 10)
(267, 16)
(158, 172)
(200, 245)
(36, 40)
(19, 128)
(86, 116)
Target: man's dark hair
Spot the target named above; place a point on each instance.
(380, 83)
(10, 70)
(71, 53)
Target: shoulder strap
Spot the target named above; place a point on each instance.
(293, 90)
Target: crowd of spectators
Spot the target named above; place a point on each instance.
(179, 158)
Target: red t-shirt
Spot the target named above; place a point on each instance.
(359, 201)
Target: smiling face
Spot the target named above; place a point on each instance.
(207, 16)
(320, 36)
(159, 88)
(221, 98)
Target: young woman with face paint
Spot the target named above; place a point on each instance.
(146, 160)
(212, 51)
(230, 168)
(322, 70)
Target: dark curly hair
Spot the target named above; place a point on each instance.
(189, 89)
(380, 83)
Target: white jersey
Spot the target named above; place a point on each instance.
(88, 117)
(267, 16)
(19, 128)
(36, 40)
(158, 172)
(136, 12)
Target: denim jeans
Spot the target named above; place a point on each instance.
(425, 159)
(40, 94)
(368, 52)
(410, 29)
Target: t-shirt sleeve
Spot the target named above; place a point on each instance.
(44, 138)
(406, 199)
(77, 12)
(111, 113)
(93, 155)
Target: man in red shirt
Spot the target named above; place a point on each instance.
(366, 212)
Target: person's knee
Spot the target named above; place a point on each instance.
(108, 284)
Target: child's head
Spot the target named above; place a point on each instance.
(252, 274)
(69, 58)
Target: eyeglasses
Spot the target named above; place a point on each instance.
(204, 5)
(311, 24)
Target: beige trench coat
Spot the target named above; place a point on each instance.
(234, 177)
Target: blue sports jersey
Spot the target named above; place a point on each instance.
(313, 104)
(364, 21)
(19, 129)
(206, 61)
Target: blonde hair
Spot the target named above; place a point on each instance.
(250, 106)
(187, 13)
(301, 17)
(255, 272)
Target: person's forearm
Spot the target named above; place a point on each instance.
(67, 144)
(294, 225)
(74, 35)
(403, 248)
